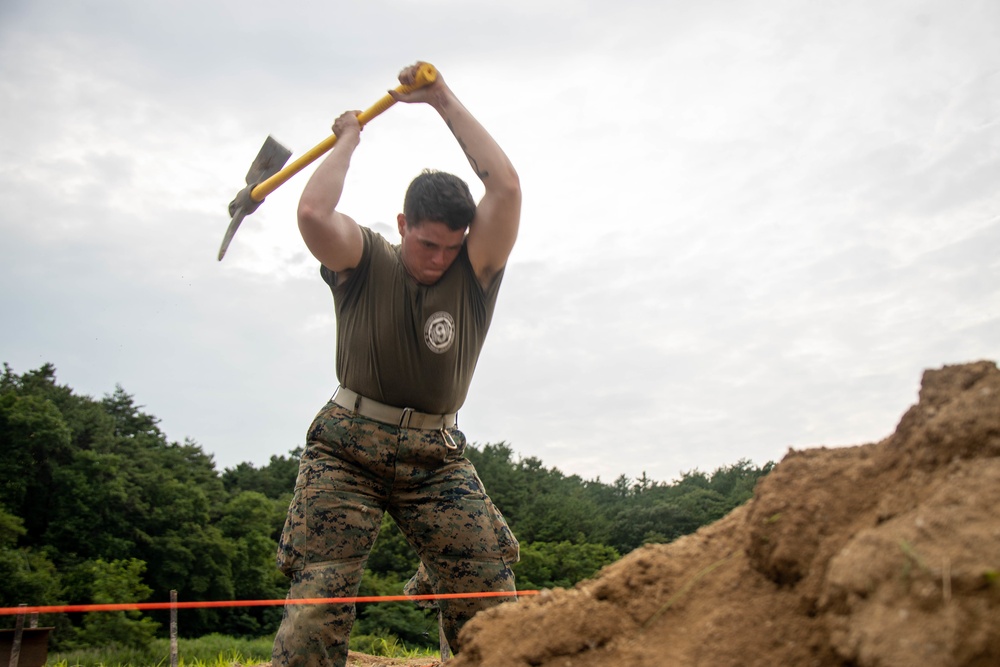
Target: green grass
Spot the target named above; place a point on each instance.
(216, 651)
(207, 651)
(387, 645)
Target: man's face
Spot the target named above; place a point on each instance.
(428, 248)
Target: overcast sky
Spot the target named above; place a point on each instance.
(747, 225)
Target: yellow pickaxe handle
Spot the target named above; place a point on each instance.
(426, 75)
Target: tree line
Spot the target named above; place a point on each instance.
(98, 506)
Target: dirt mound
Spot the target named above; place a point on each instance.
(884, 554)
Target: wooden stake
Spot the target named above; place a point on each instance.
(173, 628)
(445, 649)
(15, 650)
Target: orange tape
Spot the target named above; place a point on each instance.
(144, 606)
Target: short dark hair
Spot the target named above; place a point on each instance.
(437, 196)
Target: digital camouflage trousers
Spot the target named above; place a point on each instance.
(352, 471)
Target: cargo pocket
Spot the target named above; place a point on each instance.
(325, 526)
(510, 549)
(341, 526)
(292, 544)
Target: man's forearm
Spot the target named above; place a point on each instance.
(326, 185)
(484, 154)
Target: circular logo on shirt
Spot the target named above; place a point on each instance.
(439, 332)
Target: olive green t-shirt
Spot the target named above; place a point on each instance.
(407, 344)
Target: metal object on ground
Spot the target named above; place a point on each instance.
(30, 649)
(266, 173)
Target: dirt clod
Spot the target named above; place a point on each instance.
(885, 554)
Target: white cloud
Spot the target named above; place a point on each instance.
(746, 226)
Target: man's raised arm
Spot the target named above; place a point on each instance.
(332, 237)
(494, 228)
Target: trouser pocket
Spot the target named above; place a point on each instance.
(325, 525)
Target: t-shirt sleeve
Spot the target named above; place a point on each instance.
(330, 277)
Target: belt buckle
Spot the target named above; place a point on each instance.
(404, 417)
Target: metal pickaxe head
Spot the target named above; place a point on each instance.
(269, 161)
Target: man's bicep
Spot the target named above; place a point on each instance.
(335, 241)
(493, 232)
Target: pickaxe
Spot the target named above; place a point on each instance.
(266, 172)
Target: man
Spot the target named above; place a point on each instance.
(411, 321)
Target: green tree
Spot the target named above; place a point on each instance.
(560, 564)
(414, 625)
(736, 482)
(391, 552)
(109, 583)
(276, 480)
(96, 513)
(539, 504)
(98, 480)
(34, 442)
(26, 576)
(247, 522)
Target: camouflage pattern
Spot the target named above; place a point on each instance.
(354, 469)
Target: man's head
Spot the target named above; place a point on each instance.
(437, 210)
(439, 197)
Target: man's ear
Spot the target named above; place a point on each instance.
(401, 224)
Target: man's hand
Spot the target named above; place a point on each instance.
(428, 94)
(347, 124)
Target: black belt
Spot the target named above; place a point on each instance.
(388, 414)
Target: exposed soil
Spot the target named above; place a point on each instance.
(885, 554)
(364, 660)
